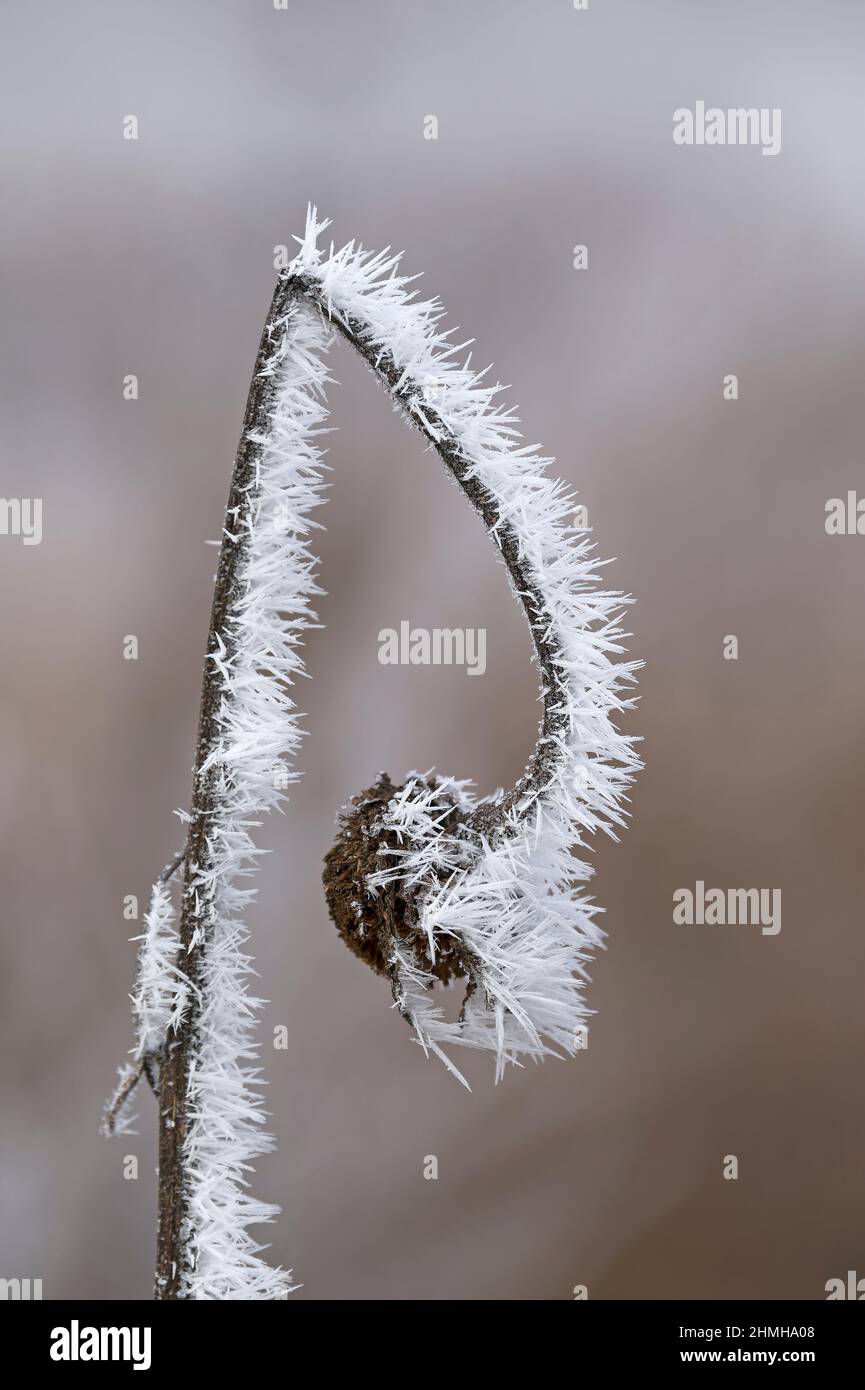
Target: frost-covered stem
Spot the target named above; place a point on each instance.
(555, 721)
(172, 1251)
(172, 1255)
(455, 887)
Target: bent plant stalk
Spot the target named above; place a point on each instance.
(426, 883)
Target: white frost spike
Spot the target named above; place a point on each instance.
(118, 1116)
(161, 989)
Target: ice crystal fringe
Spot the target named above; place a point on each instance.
(159, 1000)
(510, 895)
(161, 989)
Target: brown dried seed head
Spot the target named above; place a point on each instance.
(369, 925)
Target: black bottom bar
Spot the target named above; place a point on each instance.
(157, 1338)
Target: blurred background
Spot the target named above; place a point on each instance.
(155, 258)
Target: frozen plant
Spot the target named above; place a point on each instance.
(426, 883)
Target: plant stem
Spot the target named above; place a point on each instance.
(172, 1251)
(555, 720)
(195, 922)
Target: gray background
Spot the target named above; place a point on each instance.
(155, 258)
